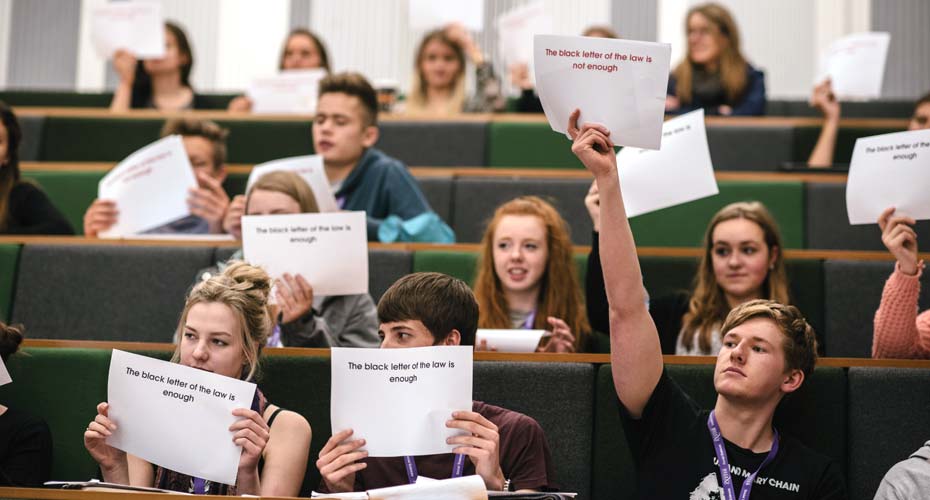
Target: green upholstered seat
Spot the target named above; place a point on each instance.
(95, 139)
(63, 386)
(684, 225)
(531, 145)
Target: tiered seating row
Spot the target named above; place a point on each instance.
(63, 134)
(850, 411)
(105, 290)
(810, 208)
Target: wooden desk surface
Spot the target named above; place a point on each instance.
(479, 356)
(58, 494)
(464, 172)
(712, 121)
(861, 255)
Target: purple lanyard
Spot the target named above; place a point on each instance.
(275, 336)
(458, 466)
(199, 486)
(530, 320)
(341, 202)
(724, 464)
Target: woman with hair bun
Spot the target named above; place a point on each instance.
(224, 324)
(25, 440)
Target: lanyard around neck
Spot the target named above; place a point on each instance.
(724, 464)
(458, 466)
(530, 320)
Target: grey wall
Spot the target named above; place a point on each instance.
(300, 14)
(907, 71)
(43, 48)
(635, 19)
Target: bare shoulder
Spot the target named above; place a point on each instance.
(289, 422)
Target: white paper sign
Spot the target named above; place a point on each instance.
(150, 187)
(678, 173)
(509, 340)
(289, 92)
(4, 374)
(329, 250)
(856, 65)
(414, 392)
(164, 410)
(310, 168)
(516, 29)
(430, 14)
(137, 27)
(618, 83)
(890, 170)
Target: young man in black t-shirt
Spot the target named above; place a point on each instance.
(682, 452)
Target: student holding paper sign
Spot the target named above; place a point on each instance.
(223, 327)
(526, 276)
(438, 83)
(345, 130)
(900, 332)
(162, 84)
(303, 49)
(681, 451)
(205, 144)
(715, 75)
(742, 261)
(303, 319)
(24, 207)
(824, 100)
(507, 449)
(25, 440)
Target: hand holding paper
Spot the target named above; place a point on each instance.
(150, 187)
(889, 170)
(154, 405)
(620, 84)
(900, 239)
(855, 64)
(415, 391)
(330, 251)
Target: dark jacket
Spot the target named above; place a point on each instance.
(751, 104)
(381, 186)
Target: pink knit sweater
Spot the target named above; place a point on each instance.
(899, 331)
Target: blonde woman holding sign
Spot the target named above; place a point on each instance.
(223, 327)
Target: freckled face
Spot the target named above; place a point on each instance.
(520, 252)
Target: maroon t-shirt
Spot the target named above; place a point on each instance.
(524, 457)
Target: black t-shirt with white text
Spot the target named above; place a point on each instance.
(675, 459)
